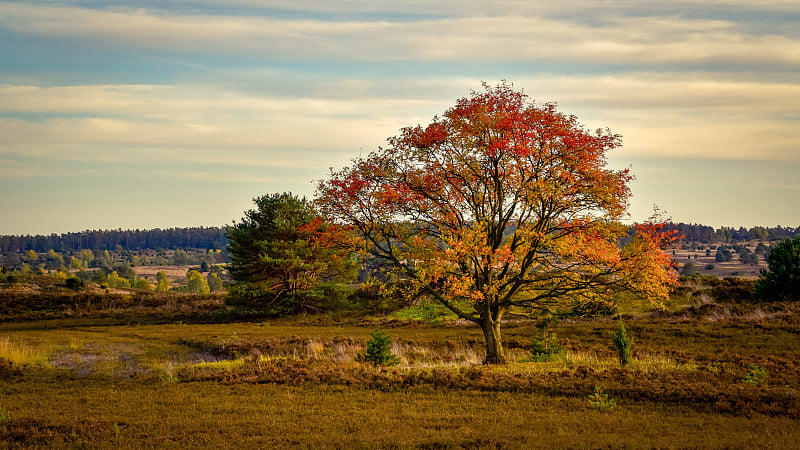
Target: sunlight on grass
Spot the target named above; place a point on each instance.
(571, 360)
(22, 354)
(228, 364)
(651, 363)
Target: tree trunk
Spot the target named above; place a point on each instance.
(495, 354)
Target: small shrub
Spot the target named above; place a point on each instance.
(623, 344)
(689, 270)
(379, 351)
(167, 378)
(3, 414)
(75, 283)
(601, 401)
(545, 347)
(13, 278)
(757, 375)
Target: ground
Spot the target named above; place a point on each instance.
(115, 381)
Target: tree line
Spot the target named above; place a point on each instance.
(709, 235)
(131, 240)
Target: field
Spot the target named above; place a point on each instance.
(164, 375)
(176, 275)
(734, 268)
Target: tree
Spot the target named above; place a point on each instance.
(31, 258)
(501, 207)
(746, 256)
(623, 343)
(283, 252)
(196, 283)
(162, 284)
(53, 259)
(115, 281)
(759, 233)
(87, 256)
(214, 282)
(140, 283)
(689, 270)
(379, 351)
(782, 280)
(181, 258)
(75, 263)
(723, 254)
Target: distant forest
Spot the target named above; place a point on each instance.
(708, 235)
(130, 240)
(213, 238)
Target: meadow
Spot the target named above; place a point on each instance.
(177, 371)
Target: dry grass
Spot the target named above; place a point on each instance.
(294, 383)
(21, 354)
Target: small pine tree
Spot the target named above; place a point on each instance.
(379, 351)
(623, 344)
(782, 281)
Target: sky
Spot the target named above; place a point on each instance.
(176, 113)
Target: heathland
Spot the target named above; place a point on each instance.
(135, 369)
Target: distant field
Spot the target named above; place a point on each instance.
(733, 268)
(176, 275)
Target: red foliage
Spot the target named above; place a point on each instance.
(502, 204)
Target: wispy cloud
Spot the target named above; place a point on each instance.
(658, 115)
(233, 98)
(634, 40)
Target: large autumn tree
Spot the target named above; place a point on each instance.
(500, 207)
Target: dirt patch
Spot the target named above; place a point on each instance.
(100, 359)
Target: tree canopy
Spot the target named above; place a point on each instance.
(501, 206)
(782, 280)
(283, 251)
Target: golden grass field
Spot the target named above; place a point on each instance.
(163, 374)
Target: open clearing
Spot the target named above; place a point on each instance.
(294, 382)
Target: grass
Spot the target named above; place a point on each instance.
(21, 354)
(97, 381)
(134, 414)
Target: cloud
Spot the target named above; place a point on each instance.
(72, 120)
(663, 115)
(635, 40)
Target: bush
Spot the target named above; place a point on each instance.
(75, 283)
(688, 270)
(623, 344)
(723, 254)
(13, 278)
(601, 401)
(379, 351)
(757, 375)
